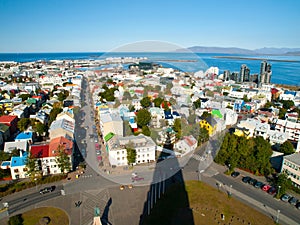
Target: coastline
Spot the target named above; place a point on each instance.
(260, 59)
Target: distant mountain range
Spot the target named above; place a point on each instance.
(233, 50)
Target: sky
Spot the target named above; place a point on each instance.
(104, 25)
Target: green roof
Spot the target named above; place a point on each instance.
(109, 136)
(217, 113)
(31, 101)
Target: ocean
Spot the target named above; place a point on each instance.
(285, 69)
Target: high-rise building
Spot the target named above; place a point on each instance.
(226, 75)
(244, 75)
(265, 72)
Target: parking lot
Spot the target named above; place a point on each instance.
(260, 183)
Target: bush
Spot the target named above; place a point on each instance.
(16, 220)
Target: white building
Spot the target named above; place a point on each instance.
(187, 144)
(292, 129)
(18, 167)
(157, 115)
(144, 146)
(291, 166)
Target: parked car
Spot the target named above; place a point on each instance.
(293, 201)
(272, 191)
(246, 179)
(258, 184)
(285, 197)
(252, 181)
(47, 190)
(98, 152)
(235, 174)
(266, 187)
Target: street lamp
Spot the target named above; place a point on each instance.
(277, 217)
(278, 193)
(229, 193)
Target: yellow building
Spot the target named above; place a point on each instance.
(210, 124)
(242, 132)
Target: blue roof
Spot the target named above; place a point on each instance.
(5, 163)
(19, 161)
(24, 135)
(168, 115)
(175, 113)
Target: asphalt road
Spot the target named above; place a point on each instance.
(22, 202)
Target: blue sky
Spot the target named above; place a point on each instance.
(100, 25)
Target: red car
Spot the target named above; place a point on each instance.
(266, 187)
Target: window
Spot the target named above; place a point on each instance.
(118, 158)
(148, 155)
(25, 169)
(16, 170)
(118, 152)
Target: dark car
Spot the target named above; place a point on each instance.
(235, 174)
(298, 205)
(47, 190)
(293, 201)
(258, 184)
(272, 191)
(246, 179)
(252, 181)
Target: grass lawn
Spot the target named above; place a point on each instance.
(57, 216)
(198, 203)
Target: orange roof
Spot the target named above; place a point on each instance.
(55, 143)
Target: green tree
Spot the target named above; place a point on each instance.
(16, 220)
(197, 104)
(63, 160)
(4, 156)
(146, 131)
(34, 169)
(209, 93)
(126, 96)
(157, 101)
(203, 135)
(63, 95)
(282, 112)
(268, 104)
(283, 182)
(287, 104)
(287, 148)
(131, 154)
(168, 88)
(166, 105)
(143, 117)
(53, 114)
(24, 96)
(145, 102)
(192, 118)
(131, 108)
(246, 99)
(23, 124)
(177, 127)
(117, 103)
(205, 115)
(40, 128)
(172, 101)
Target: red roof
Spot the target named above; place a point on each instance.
(40, 151)
(37, 97)
(7, 118)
